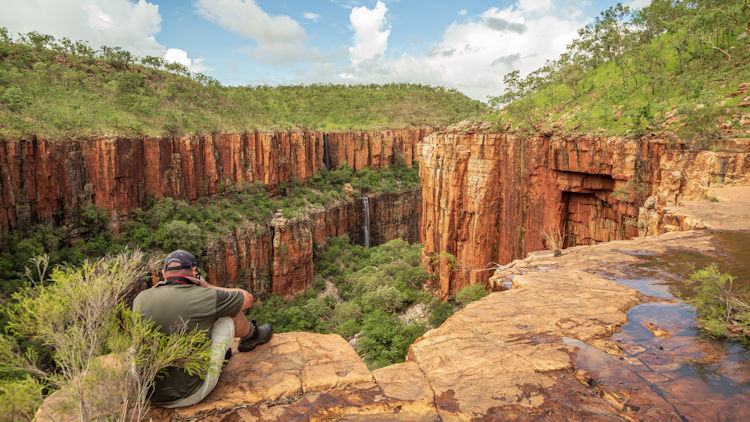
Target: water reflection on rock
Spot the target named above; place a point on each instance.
(703, 378)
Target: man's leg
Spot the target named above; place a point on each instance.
(242, 326)
(222, 334)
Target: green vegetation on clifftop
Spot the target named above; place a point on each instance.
(678, 66)
(64, 89)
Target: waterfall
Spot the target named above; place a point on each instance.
(366, 206)
(325, 151)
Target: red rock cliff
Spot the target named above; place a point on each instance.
(489, 197)
(40, 178)
(278, 258)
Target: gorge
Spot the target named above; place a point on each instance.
(485, 197)
(50, 181)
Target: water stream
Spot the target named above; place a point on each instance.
(702, 377)
(366, 209)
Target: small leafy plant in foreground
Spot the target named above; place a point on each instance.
(722, 307)
(75, 334)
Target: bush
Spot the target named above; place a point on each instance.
(347, 311)
(178, 234)
(385, 340)
(93, 218)
(471, 293)
(81, 317)
(386, 298)
(723, 309)
(20, 397)
(348, 329)
(12, 98)
(440, 314)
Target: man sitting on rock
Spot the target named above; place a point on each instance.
(185, 296)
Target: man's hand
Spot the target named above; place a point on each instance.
(199, 281)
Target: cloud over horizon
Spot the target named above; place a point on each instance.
(473, 55)
(341, 41)
(112, 23)
(371, 32)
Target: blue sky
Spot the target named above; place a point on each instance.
(467, 45)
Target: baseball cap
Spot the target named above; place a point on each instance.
(184, 258)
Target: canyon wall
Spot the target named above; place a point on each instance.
(278, 258)
(490, 198)
(42, 179)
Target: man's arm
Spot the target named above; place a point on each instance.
(247, 302)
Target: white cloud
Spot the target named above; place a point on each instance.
(175, 55)
(311, 16)
(114, 23)
(474, 55)
(98, 19)
(370, 37)
(280, 38)
(462, 12)
(528, 6)
(638, 4)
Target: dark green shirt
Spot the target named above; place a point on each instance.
(168, 306)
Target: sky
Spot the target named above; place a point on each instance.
(467, 45)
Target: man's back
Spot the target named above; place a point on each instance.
(168, 306)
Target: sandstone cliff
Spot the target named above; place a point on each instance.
(278, 258)
(42, 179)
(488, 197)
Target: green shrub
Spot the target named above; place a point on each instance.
(385, 340)
(20, 397)
(386, 298)
(13, 98)
(440, 314)
(93, 218)
(348, 329)
(471, 293)
(319, 308)
(178, 234)
(81, 316)
(347, 311)
(723, 308)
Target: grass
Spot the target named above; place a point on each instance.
(57, 90)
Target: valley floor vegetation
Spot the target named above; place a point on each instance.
(676, 66)
(65, 89)
(170, 224)
(379, 296)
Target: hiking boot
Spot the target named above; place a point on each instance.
(261, 335)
